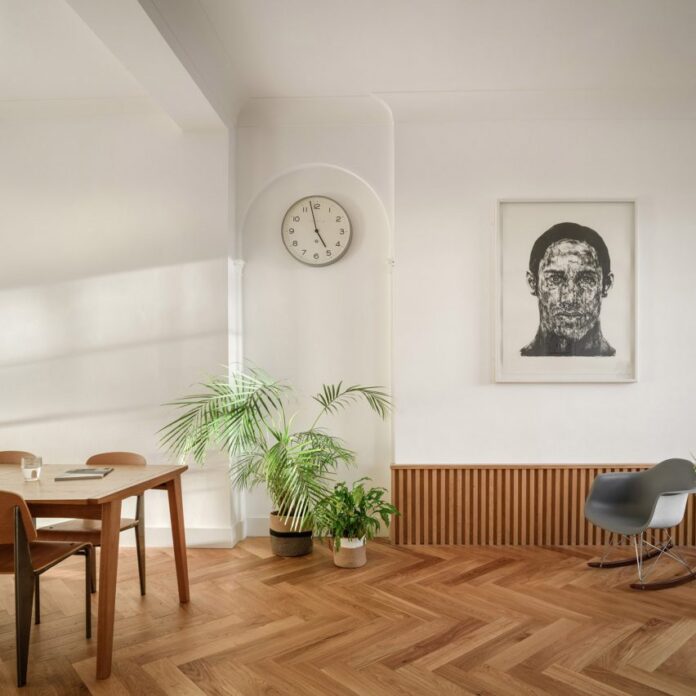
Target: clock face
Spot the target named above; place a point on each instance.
(316, 230)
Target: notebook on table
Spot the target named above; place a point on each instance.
(85, 473)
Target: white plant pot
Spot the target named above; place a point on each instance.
(352, 554)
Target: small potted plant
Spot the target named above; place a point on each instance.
(246, 416)
(351, 517)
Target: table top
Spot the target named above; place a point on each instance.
(124, 481)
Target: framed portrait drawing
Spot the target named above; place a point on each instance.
(566, 291)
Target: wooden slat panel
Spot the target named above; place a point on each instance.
(504, 504)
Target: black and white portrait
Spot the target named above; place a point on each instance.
(569, 273)
(566, 300)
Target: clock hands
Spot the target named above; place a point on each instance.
(316, 229)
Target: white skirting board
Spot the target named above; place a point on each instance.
(257, 526)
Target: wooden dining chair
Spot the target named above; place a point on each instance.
(90, 530)
(13, 457)
(27, 559)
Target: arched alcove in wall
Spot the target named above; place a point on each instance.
(310, 326)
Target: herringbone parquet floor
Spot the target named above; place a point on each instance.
(426, 620)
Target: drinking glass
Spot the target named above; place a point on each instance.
(31, 468)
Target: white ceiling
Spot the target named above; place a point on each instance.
(351, 47)
(274, 48)
(47, 52)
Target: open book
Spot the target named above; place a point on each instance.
(86, 473)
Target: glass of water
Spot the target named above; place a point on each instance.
(31, 468)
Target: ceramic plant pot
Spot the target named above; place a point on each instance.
(286, 539)
(352, 554)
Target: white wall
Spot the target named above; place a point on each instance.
(454, 158)
(306, 325)
(113, 288)
(116, 292)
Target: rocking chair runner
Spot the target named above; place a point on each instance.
(629, 504)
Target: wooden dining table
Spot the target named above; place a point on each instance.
(100, 499)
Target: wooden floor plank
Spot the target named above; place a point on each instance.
(436, 621)
(171, 679)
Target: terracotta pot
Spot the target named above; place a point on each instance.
(352, 554)
(286, 539)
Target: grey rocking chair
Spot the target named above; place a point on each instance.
(630, 503)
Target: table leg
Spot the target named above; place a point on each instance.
(108, 567)
(176, 513)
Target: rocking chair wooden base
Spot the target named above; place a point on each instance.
(664, 584)
(627, 561)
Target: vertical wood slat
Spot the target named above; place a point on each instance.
(523, 507)
(494, 505)
(445, 494)
(396, 500)
(461, 507)
(514, 520)
(474, 507)
(399, 481)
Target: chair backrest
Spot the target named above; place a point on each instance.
(13, 457)
(8, 502)
(670, 476)
(663, 492)
(116, 458)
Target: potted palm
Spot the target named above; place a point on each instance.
(351, 517)
(246, 416)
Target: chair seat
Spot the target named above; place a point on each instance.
(619, 518)
(44, 554)
(79, 530)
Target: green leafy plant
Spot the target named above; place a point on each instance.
(352, 513)
(246, 416)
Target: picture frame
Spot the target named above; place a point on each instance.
(566, 290)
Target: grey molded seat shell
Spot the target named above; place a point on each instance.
(626, 502)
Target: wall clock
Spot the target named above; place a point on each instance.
(316, 230)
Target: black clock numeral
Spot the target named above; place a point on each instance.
(338, 243)
(296, 218)
(341, 231)
(291, 230)
(338, 218)
(316, 256)
(304, 251)
(304, 209)
(294, 242)
(328, 252)
(317, 206)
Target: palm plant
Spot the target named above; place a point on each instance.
(246, 417)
